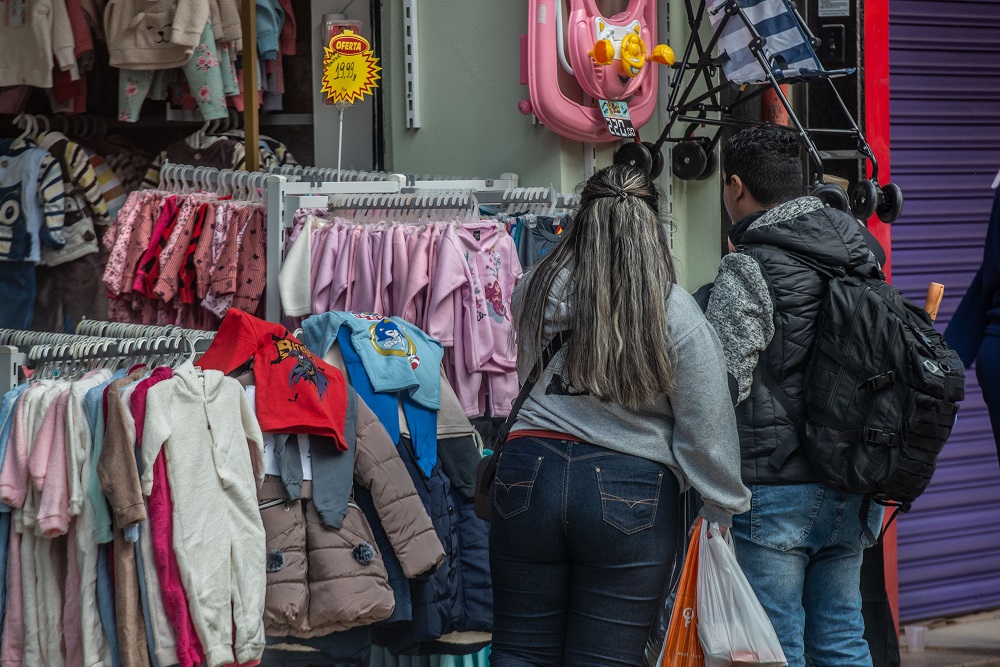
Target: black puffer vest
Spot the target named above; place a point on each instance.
(823, 235)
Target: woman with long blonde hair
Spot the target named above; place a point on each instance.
(633, 409)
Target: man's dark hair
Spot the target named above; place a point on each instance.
(768, 160)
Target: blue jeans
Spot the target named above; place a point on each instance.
(17, 285)
(581, 545)
(801, 547)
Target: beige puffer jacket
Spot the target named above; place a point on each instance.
(321, 586)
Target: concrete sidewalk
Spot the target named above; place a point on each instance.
(969, 641)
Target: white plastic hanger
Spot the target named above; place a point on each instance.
(996, 181)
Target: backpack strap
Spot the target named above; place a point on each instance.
(785, 449)
(863, 516)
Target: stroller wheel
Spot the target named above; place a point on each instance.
(890, 203)
(712, 164)
(636, 155)
(657, 160)
(833, 196)
(690, 160)
(864, 199)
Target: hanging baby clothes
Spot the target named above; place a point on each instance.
(68, 284)
(469, 310)
(452, 280)
(297, 392)
(220, 554)
(36, 36)
(389, 361)
(32, 205)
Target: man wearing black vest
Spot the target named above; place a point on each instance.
(801, 545)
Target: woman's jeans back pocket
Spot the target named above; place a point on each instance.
(515, 478)
(629, 497)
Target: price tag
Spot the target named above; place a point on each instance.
(17, 15)
(350, 71)
(617, 118)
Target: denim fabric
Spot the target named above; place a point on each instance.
(581, 545)
(801, 548)
(106, 602)
(18, 282)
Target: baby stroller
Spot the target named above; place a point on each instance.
(758, 42)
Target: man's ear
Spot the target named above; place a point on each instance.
(739, 189)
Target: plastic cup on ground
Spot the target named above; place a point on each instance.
(916, 638)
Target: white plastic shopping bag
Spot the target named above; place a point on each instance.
(733, 627)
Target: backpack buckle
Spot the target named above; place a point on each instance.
(877, 437)
(879, 381)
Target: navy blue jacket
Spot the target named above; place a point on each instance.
(458, 597)
(979, 312)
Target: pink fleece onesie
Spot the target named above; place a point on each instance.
(52, 477)
(474, 276)
(385, 258)
(320, 291)
(341, 292)
(364, 278)
(159, 510)
(14, 476)
(410, 305)
(399, 271)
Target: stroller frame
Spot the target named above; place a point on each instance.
(683, 108)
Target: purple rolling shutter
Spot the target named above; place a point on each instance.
(945, 133)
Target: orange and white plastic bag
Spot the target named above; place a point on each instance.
(681, 648)
(733, 627)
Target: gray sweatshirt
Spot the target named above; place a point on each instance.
(692, 430)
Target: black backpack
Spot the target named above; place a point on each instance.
(881, 392)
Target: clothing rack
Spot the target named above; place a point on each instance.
(94, 340)
(291, 188)
(185, 178)
(102, 329)
(332, 175)
(395, 192)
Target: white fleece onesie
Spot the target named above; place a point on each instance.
(79, 446)
(204, 422)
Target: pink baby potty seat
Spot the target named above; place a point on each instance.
(608, 57)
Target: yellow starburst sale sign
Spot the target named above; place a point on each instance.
(350, 71)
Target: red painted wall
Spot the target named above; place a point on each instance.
(876, 86)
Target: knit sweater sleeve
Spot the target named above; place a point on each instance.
(742, 311)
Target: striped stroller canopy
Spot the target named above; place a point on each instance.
(788, 49)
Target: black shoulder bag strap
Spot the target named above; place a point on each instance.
(550, 352)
